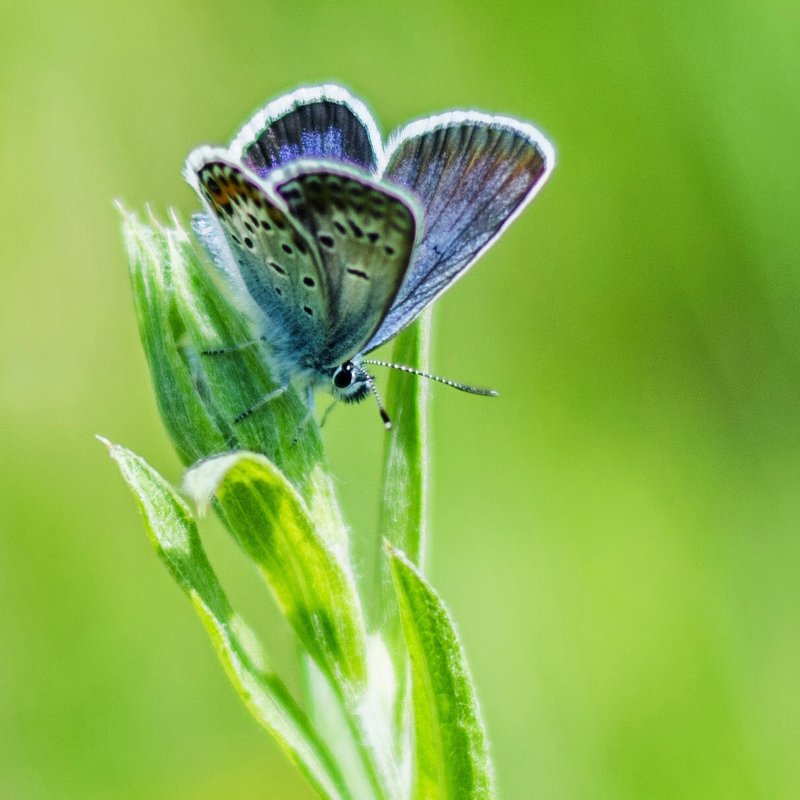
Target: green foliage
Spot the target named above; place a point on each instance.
(173, 534)
(451, 753)
(267, 480)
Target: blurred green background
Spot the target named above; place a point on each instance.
(617, 535)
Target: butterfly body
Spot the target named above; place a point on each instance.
(337, 244)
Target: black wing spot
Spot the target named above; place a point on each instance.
(249, 227)
(236, 238)
(286, 249)
(358, 273)
(308, 281)
(213, 185)
(388, 250)
(300, 210)
(252, 217)
(265, 225)
(278, 291)
(357, 232)
(248, 242)
(277, 267)
(339, 227)
(308, 310)
(326, 240)
(377, 201)
(400, 223)
(373, 237)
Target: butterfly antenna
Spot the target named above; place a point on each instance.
(387, 421)
(462, 387)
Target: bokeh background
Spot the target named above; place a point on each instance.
(617, 535)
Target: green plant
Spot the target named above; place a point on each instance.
(389, 710)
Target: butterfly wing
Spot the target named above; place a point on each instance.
(324, 122)
(365, 235)
(472, 174)
(278, 265)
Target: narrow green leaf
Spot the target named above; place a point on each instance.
(405, 473)
(309, 578)
(405, 460)
(344, 729)
(451, 751)
(173, 533)
(405, 487)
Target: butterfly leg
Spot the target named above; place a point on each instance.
(307, 417)
(223, 351)
(262, 402)
(327, 412)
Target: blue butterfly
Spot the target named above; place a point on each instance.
(335, 243)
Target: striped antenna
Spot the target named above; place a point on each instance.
(462, 387)
(387, 420)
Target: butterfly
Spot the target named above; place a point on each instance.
(336, 243)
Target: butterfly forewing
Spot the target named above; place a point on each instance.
(471, 173)
(324, 122)
(280, 268)
(365, 236)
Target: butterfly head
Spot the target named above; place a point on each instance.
(350, 382)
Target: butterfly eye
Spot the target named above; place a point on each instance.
(343, 376)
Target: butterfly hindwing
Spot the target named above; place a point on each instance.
(365, 235)
(471, 173)
(279, 266)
